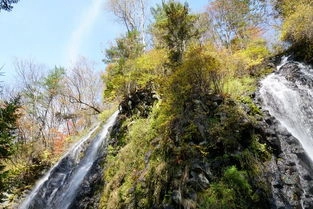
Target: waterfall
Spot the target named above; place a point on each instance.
(288, 96)
(58, 188)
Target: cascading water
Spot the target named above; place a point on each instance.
(288, 96)
(58, 188)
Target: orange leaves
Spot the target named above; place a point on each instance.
(58, 141)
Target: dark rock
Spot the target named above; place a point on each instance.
(198, 181)
(88, 195)
(218, 99)
(307, 178)
(138, 102)
(290, 168)
(177, 197)
(269, 121)
(147, 157)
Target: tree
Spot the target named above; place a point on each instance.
(198, 76)
(52, 86)
(7, 4)
(132, 13)
(118, 56)
(126, 47)
(174, 28)
(83, 86)
(30, 78)
(8, 119)
(8, 124)
(40, 92)
(54, 100)
(297, 29)
(233, 20)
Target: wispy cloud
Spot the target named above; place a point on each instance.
(85, 25)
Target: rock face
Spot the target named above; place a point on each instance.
(286, 95)
(289, 171)
(139, 102)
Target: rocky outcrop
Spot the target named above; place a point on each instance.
(210, 136)
(140, 102)
(289, 171)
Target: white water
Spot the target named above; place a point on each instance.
(289, 99)
(58, 188)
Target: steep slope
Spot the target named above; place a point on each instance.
(211, 156)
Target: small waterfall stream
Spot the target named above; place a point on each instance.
(58, 188)
(288, 96)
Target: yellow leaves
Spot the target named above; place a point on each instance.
(135, 74)
(298, 25)
(199, 75)
(290, 6)
(151, 60)
(250, 56)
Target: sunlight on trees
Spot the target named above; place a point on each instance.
(232, 20)
(297, 27)
(174, 28)
(219, 53)
(132, 14)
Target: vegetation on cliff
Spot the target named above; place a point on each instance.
(198, 146)
(187, 135)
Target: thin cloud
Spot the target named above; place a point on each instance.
(78, 35)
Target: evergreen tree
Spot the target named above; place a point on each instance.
(8, 119)
(174, 28)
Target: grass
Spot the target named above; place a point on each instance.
(127, 166)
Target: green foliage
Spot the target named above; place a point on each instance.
(297, 27)
(126, 47)
(130, 69)
(52, 82)
(235, 21)
(238, 181)
(23, 174)
(140, 72)
(8, 119)
(198, 76)
(127, 165)
(237, 87)
(174, 27)
(198, 118)
(233, 191)
(286, 8)
(253, 54)
(8, 125)
(105, 114)
(219, 196)
(116, 77)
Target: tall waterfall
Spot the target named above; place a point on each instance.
(58, 188)
(288, 96)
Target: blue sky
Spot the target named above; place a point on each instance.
(56, 32)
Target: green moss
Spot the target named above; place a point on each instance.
(232, 191)
(126, 166)
(105, 114)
